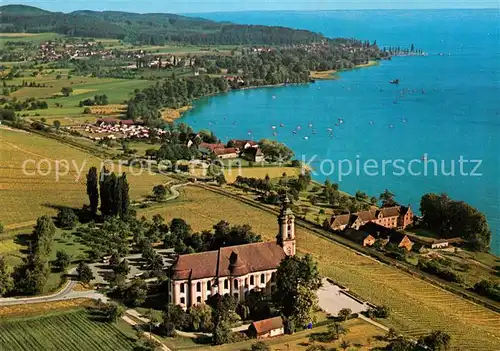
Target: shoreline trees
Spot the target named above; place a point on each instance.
(451, 218)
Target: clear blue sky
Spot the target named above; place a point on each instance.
(193, 6)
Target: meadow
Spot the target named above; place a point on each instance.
(417, 307)
(27, 37)
(259, 172)
(360, 334)
(73, 330)
(66, 109)
(28, 195)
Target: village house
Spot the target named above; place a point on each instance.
(235, 270)
(387, 235)
(266, 328)
(253, 154)
(243, 144)
(361, 237)
(227, 152)
(390, 217)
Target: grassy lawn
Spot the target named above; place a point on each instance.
(362, 335)
(15, 246)
(258, 172)
(416, 307)
(27, 37)
(24, 197)
(73, 330)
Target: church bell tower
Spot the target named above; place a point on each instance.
(286, 228)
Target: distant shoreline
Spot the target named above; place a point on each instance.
(171, 115)
(332, 74)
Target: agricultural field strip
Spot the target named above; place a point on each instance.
(80, 333)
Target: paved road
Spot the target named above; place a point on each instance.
(174, 192)
(63, 294)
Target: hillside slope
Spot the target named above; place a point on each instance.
(153, 28)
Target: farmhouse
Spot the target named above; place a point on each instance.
(227, 152)
(390, 217)
(387, 235)
(266, 328)
(243, 144)
(235, 270)
(253, 154)
(360, 237)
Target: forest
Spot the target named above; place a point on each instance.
(151, 29)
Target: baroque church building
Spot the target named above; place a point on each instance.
(234, 270)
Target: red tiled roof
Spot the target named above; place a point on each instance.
(390, 211)
(225, 151)
(340, 220)
(266, 325)
(240, 144)
(253, 257)
(211, 147)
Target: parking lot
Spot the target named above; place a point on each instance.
(332, 299)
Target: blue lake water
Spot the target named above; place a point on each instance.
(450, 106)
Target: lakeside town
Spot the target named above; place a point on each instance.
(221, 245)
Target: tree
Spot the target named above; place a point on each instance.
(84, 273)
(344, 344)
(66, 218)
(221, 179)
(159, 192)
(437, 340)
(1, 228)
(344, 313)
(135, 295)
(361, 196)
(275, 151)
(147, 345)
(66, 91)
(92, 190)
(401, 343)
(387, 199)
(124, 198)
(200, 318)
(260, 346)
(373, 200)
(6, 281)
(335, 331)
(455, 219)
(113, 311)
(63, 260)
(297, 282)
(223, 317)
(56, 124)
(43, 235)
(174, 317)
(31, 276)
(87, 111)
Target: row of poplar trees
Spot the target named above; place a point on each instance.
(111, 190)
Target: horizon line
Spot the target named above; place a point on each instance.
(276, 10)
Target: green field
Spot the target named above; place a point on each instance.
(117, 91)
(65, 331)
(416, 307)
(27, 37)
